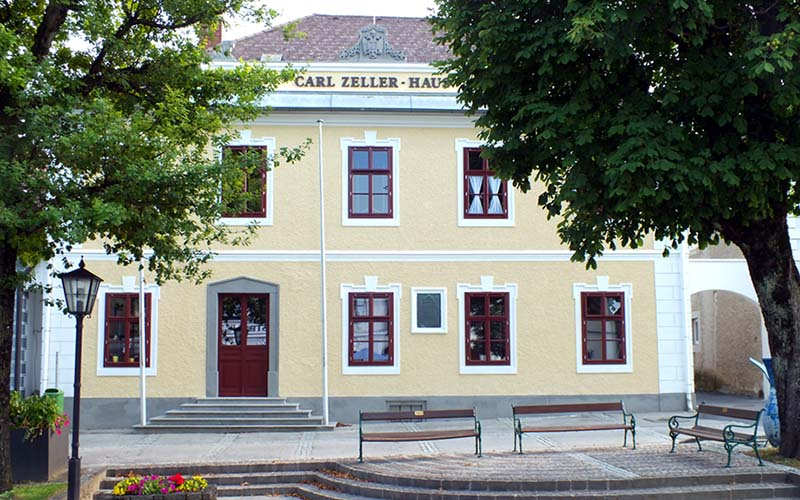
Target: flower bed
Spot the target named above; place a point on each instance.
(156, 487)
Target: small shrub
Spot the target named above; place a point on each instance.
(36, 414)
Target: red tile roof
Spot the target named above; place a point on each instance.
(327, 35)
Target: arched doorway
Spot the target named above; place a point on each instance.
(242, 338)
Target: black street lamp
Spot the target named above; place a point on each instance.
(80, 290)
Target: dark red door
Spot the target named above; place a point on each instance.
(243, 344)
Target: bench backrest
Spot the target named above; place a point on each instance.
(567, 408)
(724, 411)
(418, 415)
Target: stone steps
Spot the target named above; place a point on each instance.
(340, 481)
(247, 414)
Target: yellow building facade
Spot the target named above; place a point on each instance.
(445, 286)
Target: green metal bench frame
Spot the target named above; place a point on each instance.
(628, 419)
(732, 435)
(426, 435)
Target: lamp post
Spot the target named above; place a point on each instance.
(80, 290)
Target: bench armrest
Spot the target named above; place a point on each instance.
(628, 418)
(675, 420)
(729, 434)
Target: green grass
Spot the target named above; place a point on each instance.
(33, 491)
(772, 455)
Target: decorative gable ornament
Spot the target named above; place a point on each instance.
(373, 45)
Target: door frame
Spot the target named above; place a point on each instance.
(238, 285)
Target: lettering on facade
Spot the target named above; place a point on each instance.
(370, 82)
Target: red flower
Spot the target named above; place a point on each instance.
(177, 479)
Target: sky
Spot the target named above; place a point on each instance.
(294, 9)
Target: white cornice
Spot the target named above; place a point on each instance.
(405, 256)
(373, 119)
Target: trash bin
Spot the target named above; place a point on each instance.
(57, 395)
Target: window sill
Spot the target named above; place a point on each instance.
(244, 221)
(488, 370)
(371, 370)
(108, 371)
(609, 368)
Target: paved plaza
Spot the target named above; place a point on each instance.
(574, 460)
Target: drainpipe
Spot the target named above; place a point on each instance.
(18, 340)
(142, 349)
(46, 330)
(687, 325)
(323, 285)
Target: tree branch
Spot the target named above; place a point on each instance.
(54, 16)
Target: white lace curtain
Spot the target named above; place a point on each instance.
(476, 202)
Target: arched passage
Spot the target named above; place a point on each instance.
(725, 310)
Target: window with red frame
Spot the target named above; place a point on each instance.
(485, 196)
(487, 328)
(370, 182)
(121, 332)
(246, 196)
(371, 319)
(603, 317)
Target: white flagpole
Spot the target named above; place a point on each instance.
(142, 351)
(323, 285)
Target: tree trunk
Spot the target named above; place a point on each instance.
(8, 263)
(768, 252)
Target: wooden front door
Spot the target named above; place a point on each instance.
(243, 344)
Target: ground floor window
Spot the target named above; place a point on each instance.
(370, 333)
(371, 320)
(487, 327)
(121, 331)
(603, 327)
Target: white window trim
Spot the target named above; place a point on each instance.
(370, 139)
(461, 145)
(127, 371)
(370, 286)
(245, 139)
(442, 309)
(603, 286)
(487, 285)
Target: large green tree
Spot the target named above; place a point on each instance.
(676, 118)
(108, 111)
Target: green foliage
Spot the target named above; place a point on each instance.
(36, 414)
(110, 117)
(106, 124)
(677, 118)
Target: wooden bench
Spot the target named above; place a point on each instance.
(732, 435)
(628, 420)
(474, 430)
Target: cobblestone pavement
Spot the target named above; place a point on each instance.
(575, 465)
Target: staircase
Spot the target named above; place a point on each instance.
(342, 481)
(236, 415)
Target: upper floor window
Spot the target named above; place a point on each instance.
(121, 330)
(484, 200)
(246, 196)
(485, 196)
(370, 182)
(603, 326)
